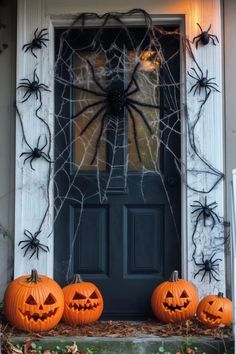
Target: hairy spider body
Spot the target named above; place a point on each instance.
(202, 83)
(204, 37)
(36, 153)
(32, 87)
(37, 42)
(112, 103)
(32, 244)
(208, 267)
(206, 211)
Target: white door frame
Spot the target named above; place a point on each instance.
(30, 185)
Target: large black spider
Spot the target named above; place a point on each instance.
(208, 266)
(37, 41)
(36, 153)
(32, 87)
(33, 244)
(205, 211)
(113, 101)
(204, 37)
(202, 82)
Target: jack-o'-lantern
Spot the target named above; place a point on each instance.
(174, 300)
(83, 302)
(33, 303)
(215, 310)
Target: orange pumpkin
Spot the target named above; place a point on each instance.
(83, 302)
(33, 303)
(215, 310)
(174, 300)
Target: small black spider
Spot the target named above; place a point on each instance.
(206, 211)
(112, 101)
(36, 153)
(208, 266)
(204, 37)
(37, 42)
(33, 244)
(202, 82)
(32, 87)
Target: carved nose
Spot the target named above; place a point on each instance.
(41, 307)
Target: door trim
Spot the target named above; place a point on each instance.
(29, 185)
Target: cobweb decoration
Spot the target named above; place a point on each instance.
(110, 81)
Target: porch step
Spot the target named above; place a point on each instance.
(140, 345)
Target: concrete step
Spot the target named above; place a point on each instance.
(137, 345)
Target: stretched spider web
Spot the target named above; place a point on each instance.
(99, 72)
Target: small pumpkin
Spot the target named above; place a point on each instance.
(174, 300)
(215, 310)
(33, 303)
(83, 302)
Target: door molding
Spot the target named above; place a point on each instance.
(30, 202)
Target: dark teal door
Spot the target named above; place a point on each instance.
(117, 218)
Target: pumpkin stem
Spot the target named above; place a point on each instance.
(34, 278)
(220, 294)
(174, 276)
(77, 279)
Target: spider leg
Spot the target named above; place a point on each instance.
(37, 252)
(99, 139)
(210, 274)
(80, 88)
(92, 120)
(141, 115)
(33, 253)
(194, 70)
(28, 234)
(44, 87)
(32, 52)
(212, 256)
(215, 277)
(45, 157)
(26, 93)
(27, 158)
(213, 221)
(41, 32)
(94, 78)
(195, 85)
(131, 100)
(197, 201)
(217, 217)
(200, 270)
(214, 88)
(25, 153)
(208, 29)
(135, 133)
(43, 247)
(87, 107)
(32, 159)
(204, 274)
(26, 99)
(216, 260)
(193, 77)
(212, 39)
(26, 250)
(199, 40)
(24, 245)
(213, 270)
(26, 45)
(35, 76)
(196, 209)
(25, 81)
(35, 32)
(23, 242)
(200, 28)
(196, 37)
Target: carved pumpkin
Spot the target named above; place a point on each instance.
(83, 302)
(174, 300)
(33, 303)
(214, 310)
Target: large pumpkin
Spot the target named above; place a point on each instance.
(174, 300)
(83, 302)
(214, 310)
(33, 303)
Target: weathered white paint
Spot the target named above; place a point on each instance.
(30, 185)
(7, 141)
(233, 248)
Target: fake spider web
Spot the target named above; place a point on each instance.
(96, 76)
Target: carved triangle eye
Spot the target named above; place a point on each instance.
(220, 309)
(210, 302)
(94, 295)
(31, 301)
(184, 294)
(50, 300)
(79, 296)
(169, 294)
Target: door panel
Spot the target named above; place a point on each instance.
(118, 226)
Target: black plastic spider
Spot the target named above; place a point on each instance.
(206, 211)
(36, 153)
(208, 266)
(33, 244)
(32, 87)
(202, 82)
(37, 42)
(113, 101)
(204, 37)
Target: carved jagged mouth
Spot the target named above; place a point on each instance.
(172, 308)
(84, 308)
(36, 316)
(210, 317)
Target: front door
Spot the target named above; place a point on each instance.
(117, 189)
